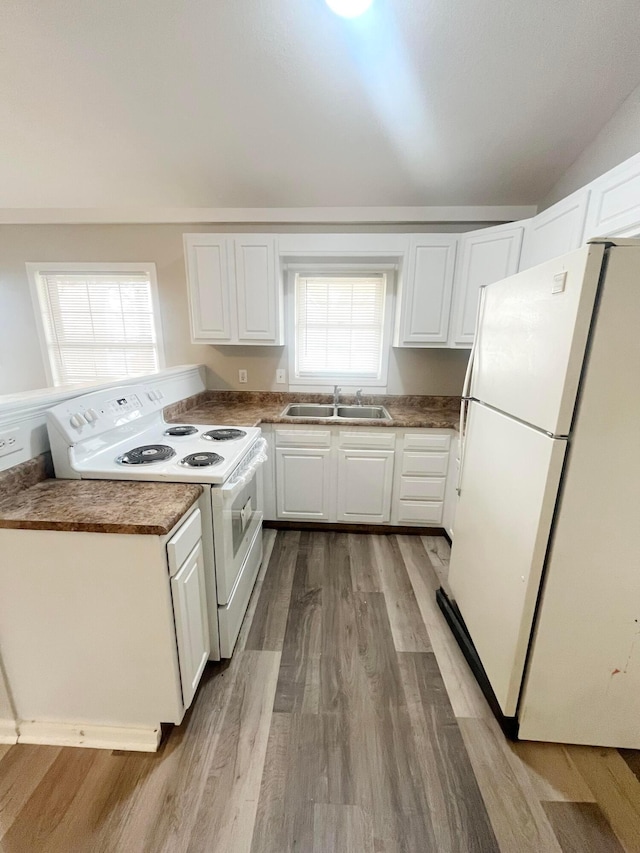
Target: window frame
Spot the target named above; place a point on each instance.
(36, 269)
(350, 382)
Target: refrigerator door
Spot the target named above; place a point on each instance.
(532, 336)
(508, 488)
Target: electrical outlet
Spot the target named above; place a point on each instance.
(10, 442)
(242, 376)
(281, 376)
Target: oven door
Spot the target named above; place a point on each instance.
(237, 514)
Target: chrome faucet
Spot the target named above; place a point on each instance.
(336, 395)
(359, 397)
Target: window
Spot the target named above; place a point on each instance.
(340, 327)
(97, 321)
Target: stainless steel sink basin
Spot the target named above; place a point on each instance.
(367, 413)
(308, 410)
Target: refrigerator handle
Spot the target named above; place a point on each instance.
(466, 387)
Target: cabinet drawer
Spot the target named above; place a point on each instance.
(422, 488)
(424, 464)
(182, 544)
(418, 441)
(381, 439)
(303, 438)
(420, 512)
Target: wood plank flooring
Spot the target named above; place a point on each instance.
(346, 722)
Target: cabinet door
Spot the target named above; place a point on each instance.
(425, 302)
(485, 256)
(614, 204)
(304, 483)
(190, 614)
(555, 231)
(209, 288)
(365, 480)
(257, 289)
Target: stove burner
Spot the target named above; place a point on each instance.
(201, 460)
(180, 430)
(147, 453)
(223, 434)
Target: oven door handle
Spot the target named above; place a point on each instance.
(247, 473)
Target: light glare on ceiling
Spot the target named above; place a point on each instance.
(349, 8)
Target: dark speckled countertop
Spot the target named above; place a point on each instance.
(98, 506)
(251, 408)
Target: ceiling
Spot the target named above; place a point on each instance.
(268, 103)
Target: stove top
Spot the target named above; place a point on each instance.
(120, 434)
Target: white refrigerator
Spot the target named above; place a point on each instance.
(544, 576)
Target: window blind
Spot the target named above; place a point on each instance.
(98, 326)
(339, 325)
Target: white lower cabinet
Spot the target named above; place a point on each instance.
(104, 635)
(192, 630)
(361, 476)
(365, 479)
(304, 483)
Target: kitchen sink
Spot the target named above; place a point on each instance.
(314, 410)
(308, 410)
(367, 413)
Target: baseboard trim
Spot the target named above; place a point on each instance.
(8, 732)
(382, 529)
(97, 737)
(509, 725)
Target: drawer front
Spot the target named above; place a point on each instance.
(420, 512)
(420, 441)
(424, 464)
(422, 488)
(182, 544)
(303, 438)
(381, 439)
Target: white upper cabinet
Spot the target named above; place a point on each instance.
(487, 255)
(555, 231)
(235, 291)
(614, 205)
(209, 293)
(422, 318)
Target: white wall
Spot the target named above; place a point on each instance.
(618, 140)
(21, 369)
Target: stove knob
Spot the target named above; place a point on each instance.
(151, 395)
(77, 420)
(159, 395)
(91, 415)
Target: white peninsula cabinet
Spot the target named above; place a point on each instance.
(486, 255)
(424, 298)
(235, 289)
(358, 475)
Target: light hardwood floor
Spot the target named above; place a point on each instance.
(347, 720)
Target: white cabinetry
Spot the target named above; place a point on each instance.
(123, 648)
(192, 630)
(235, 292)
(424, 303)
(487, 255)
(421, 478)
(365, 476)
(614, 204)
(360, 475)
(555, 231)
(304, 474)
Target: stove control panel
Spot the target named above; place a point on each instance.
(97, 412)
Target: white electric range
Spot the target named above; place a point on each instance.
(121, 434)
